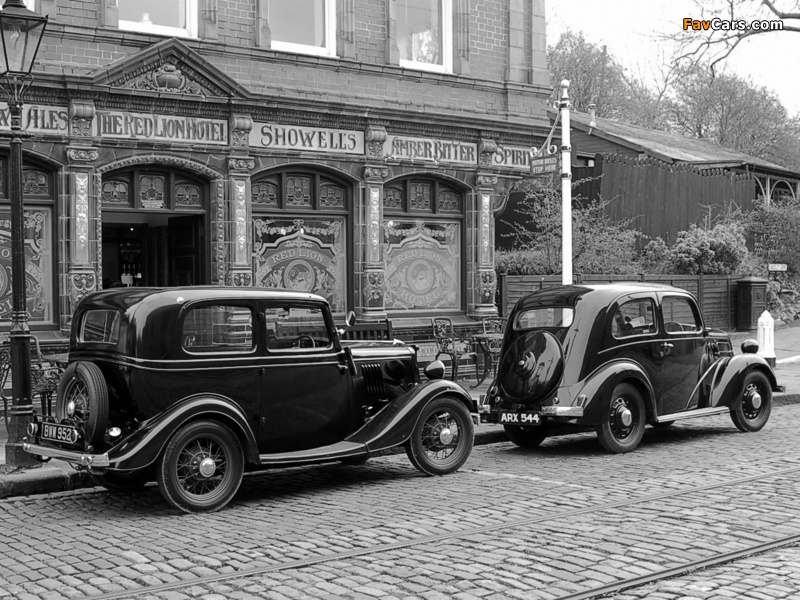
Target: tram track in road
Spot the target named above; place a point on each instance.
(516, 524)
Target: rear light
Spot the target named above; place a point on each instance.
(32, 429)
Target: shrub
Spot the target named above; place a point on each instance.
(719, 250)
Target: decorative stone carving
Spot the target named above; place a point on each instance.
(81, 249)
(81, 115)
(242, 279)
(240, 126)
(218, 209)
(374, 136)
(161, 159)
(487, 286)
(486, 180)
(241, 164)
(373, 289)
(172, 78)
(82, 154)
(486, 150)
(376, 173)
(81, 284)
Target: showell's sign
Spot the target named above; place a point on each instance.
(309, 139)
(166, 128)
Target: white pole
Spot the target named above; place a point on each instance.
(566, 188)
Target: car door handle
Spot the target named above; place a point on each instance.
(667, 345)
(342, 368)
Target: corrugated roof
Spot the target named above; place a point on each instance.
(670, 147)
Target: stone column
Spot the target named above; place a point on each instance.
(484, 280)
(370, 251)
(240, 232)
(80, 220)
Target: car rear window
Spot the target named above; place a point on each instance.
(544, 317)
(100, 326)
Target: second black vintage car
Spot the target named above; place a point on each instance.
(192, 386)
(616, 357)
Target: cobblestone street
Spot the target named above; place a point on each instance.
(547, 523)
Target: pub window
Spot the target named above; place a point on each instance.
(422, 235)
(162, 17)
(424, 34)
(300, 234)
(38, 190)
(149, 190)
(303, 26)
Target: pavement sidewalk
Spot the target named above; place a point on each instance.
(57, 476)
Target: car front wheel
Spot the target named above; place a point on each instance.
(442, 438)
(525, 437)
(752, 413)
(624, 422)
(201, 468)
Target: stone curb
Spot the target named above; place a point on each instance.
(60, 477)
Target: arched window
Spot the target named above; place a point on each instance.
(39, 193)
(300, 233)
(422, 234)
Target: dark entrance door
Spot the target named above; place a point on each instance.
(154, 254)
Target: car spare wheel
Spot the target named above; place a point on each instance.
(82, 399)
(532, 367)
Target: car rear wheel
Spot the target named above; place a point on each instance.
(752, 413)
(624, 422)
(82, 398)
(201, 468)
(442, 438)
(525, 437)
(123, 481)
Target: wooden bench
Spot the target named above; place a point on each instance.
(369, 330)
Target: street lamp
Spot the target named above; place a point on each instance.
(21, 32)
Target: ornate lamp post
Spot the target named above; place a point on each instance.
(21, 31)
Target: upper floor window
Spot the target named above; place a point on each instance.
(424, 34)
(303, 26)
(163, 17)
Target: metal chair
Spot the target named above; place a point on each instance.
(44, 377)
(447, 342)
(490, 344)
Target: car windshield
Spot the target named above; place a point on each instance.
(100, 326)
(549, 316)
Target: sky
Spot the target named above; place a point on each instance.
(629, 29)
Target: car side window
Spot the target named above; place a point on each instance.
(635, 317)
(292, 327)
(217, 328)
(679, 315)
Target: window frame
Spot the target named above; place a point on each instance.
(329, 49)
(447, 45)
(191, 31)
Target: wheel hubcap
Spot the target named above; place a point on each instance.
(621, 419)
(440, 435)
(446, 436)
(70, 408)
(624, 417)
(207, 467)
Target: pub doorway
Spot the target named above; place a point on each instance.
(154, 235)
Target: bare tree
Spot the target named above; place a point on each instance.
(723, 24)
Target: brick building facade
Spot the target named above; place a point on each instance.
(352, 148)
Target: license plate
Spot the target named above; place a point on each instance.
(519, 418)
(57, 433)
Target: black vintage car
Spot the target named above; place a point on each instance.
(615, 357)
(191, 386)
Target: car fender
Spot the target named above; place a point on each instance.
(145, 445)
(601, 383)
(727, 388)
(393, 425)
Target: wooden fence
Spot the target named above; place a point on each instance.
(717, 294)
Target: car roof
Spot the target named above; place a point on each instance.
(126, 298)
(600, 294)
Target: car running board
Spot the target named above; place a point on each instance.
(315, 455)
(692, 414)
